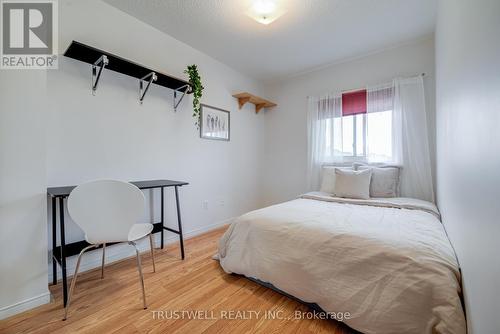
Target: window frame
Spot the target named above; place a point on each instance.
(355, 137)
(355, 157)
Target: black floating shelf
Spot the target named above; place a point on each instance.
(89, 54)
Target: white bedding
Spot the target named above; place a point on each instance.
(388, 262)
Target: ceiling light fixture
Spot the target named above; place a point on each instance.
(265, 11)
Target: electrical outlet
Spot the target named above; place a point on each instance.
(204, 205)
(222, 202)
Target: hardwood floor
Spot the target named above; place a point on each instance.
(114, 303)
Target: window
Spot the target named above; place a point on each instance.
(355, 126)
(356, 135)
(358, 125)
(379, 135)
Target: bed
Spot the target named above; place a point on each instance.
(385, 261)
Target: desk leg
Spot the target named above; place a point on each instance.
(162, 216)
(63, 249)
(54, 241)
(179, 221)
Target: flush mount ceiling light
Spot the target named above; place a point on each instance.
(265, 11)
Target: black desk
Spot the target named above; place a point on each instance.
(59, 253)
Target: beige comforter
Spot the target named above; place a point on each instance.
(388, 262)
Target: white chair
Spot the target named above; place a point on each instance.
(108, 211)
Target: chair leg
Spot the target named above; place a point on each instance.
(141, 278)
(103, 257)
(151, 245)
(73, 281)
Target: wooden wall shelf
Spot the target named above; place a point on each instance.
(258, 101)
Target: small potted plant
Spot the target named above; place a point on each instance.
(197, 90)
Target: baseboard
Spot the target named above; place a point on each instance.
(92, 259)
(24, 305)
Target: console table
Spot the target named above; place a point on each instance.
(60, 253)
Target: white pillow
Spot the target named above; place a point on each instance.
(352, 184)
(328, 178)
(384, 182)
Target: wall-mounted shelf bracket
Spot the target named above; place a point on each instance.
(101, 63)
(184, 90)
(142, 91)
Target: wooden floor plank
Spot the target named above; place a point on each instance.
(197, 284)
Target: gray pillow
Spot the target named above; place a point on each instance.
(384, 181)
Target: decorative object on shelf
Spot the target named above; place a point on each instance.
(214, 123)
(196, 89)
(100, 59)
(258, 101)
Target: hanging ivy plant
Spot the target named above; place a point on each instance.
(197, 89)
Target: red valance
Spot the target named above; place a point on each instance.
(354, 103)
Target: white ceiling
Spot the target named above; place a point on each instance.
(311, 34)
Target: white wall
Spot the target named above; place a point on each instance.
(286, 125)
(78, 137)
(23, 238)
(468, 146)
(111, 136)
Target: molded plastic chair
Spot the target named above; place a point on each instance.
(107, 211)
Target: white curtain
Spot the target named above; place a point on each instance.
(410, 134)
(379, 99)
(402, 104)
(322, 135)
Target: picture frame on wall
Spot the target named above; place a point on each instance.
(215, 123)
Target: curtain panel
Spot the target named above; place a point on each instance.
(410, 134)
(322, 111)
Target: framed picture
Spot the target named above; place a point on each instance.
(214, 123)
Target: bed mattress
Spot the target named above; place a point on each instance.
(386, 262)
